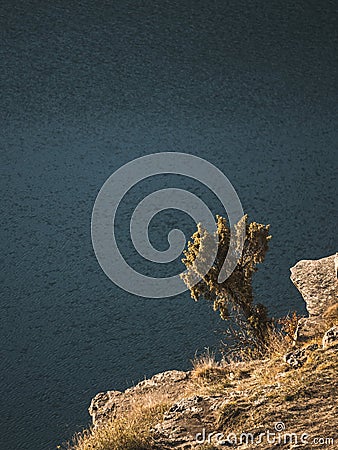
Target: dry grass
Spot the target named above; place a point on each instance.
(130, 431)
(206, 367)
(209, 376)
(331, 316)
(212, 376)
(257, 393)
(302, 398)
(261, 392)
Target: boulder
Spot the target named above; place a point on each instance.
(330, 338)
(316, 280)
(183, 421)
(309, 328)
(298, 357)
(103, 406)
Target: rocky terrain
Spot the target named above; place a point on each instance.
(316, 280)
(287, 400)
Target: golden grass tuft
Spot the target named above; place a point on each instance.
(206, 367)
(331, 316)
(130, 431)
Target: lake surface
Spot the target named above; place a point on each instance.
(87, 87)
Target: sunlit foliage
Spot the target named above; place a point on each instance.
(233, 298)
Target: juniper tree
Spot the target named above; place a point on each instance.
(233, 297)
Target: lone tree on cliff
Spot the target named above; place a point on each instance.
(233, 298)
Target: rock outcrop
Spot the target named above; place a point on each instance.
(305, 379)
(298, 357)
(330, 338)
(317, 282)
(195, 409)
(104, 405)
(185, 419)
(109, 404)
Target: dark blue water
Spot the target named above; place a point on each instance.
(88, 86)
